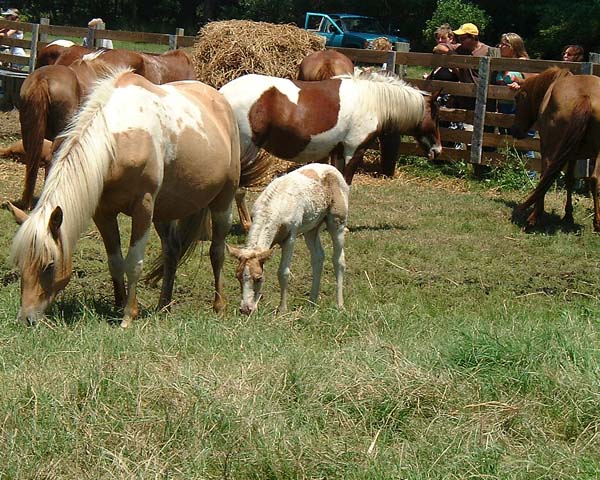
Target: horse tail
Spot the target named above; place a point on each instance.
(183, 237)
(33, 112)
(255, 164)
(567, 147)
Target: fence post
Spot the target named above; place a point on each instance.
(35, 36)
(89, 42)
(173, 38)
(99, 42)
(390, 63)
(479, 113)
(401, 47)
(44, 35)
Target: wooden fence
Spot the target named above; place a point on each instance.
(15, 68)
(475, 140)
(40, 32)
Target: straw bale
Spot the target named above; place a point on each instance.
(229, 49)
(382, 43)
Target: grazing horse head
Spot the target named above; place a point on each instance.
(40, 253)
(530, 97)
(427, 133)
(250, 274)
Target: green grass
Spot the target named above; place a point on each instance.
(468, 349)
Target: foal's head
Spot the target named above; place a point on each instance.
(250, 274)
(427, 132)
(39, 254)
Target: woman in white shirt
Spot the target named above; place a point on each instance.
(12, 14)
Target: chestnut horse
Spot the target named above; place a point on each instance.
(323, 65)
(156, 153)
(66, 49)
(167, 67)
(51, 95)
(566, 108)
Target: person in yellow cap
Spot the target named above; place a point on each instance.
(468, 37)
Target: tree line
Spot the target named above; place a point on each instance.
(546, 25)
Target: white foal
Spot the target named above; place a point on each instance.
(298, 203)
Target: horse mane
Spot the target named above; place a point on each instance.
(382, 93)
(537, 86)
(75, 181)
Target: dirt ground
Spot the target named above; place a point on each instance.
(10, 129)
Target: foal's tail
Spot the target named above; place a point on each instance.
(33, 112)
(567, 147)
(183, 237)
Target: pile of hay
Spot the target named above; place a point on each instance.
(229, 49)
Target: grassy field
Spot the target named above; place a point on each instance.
(468, 349)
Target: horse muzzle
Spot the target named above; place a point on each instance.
(434, 152)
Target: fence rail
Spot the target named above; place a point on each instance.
(476, 142)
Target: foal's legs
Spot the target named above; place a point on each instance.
(283, 273)
(109, 229)
(317, 256)
(141, 219)
(336, 229)
(221, 224)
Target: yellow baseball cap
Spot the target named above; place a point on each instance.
(467, 29)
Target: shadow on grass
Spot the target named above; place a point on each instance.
(548, 223)
(383, 227)
(70, 310)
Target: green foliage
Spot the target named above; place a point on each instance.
(456, 12)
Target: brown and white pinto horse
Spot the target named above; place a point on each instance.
(155, 153)
(566, 108)
(51, 95)
(323, 65)
(310, 121)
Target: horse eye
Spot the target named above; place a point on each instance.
(48, 268)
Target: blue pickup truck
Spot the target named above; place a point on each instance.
(347, 30)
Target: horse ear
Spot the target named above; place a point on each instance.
(265, 254)
(19, 215)
(234, 252)
(56, 219)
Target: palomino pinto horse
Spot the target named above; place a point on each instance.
(155, 153)
(323, 65)
(51, 95)
(566, 108)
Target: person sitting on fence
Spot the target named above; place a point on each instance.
(444, 35)
(445, 45)
(12, 14)
(104, 43)
(573, 53)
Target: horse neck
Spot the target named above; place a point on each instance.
(399, 107)
(541, 83)
(76, 180)
(266, 222)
